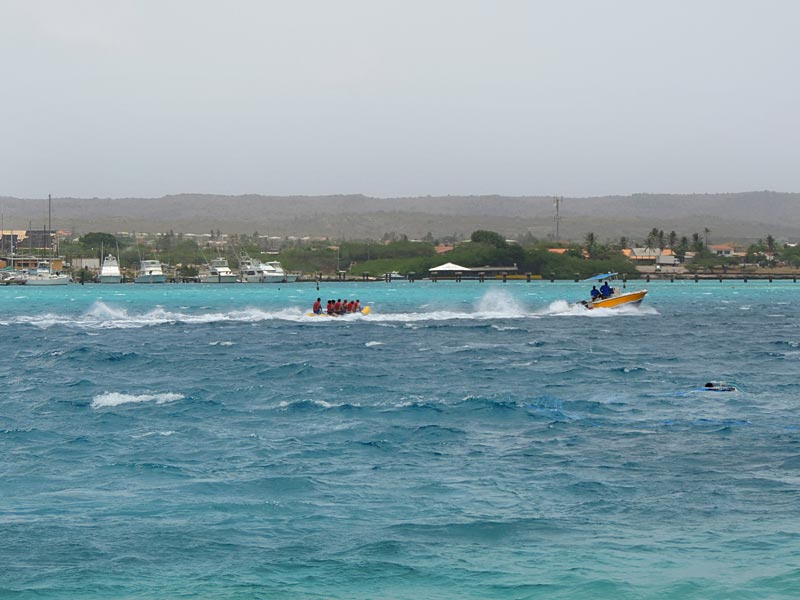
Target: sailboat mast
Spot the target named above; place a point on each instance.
(50, 226)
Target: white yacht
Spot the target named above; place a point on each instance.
(150, 271)
(109, 272)
(285, 276)
(42, 275)
(254, 271)
(218, 271)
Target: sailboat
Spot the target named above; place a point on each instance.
(43, 273)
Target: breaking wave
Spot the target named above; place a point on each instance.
(110, 399)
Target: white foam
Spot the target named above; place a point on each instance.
(109, 399)
(563, 308)
(103, 316)
(149, 433)
(499, 304)
(494, 304)
(371, 344)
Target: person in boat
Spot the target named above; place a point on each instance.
(357, 307)
(606, 290)
(351, 306)
(330, 307)
(594, 293)
(337, 307)
(317, 308)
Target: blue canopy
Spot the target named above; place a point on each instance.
(603, 276)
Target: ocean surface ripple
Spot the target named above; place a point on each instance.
(464, 440)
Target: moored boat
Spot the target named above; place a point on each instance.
(276, 269)
(218, 271)
(253, 270)
(109, 271)
(150, 271)
(43, 275)
(9, 276)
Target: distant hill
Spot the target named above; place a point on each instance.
(730, 217)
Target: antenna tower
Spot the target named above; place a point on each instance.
(557, 218)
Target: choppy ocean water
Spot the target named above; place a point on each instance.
(463, 441)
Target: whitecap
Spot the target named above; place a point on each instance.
(109, 399)
(150, 433)
(371, 344)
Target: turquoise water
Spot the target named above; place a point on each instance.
(463, 441)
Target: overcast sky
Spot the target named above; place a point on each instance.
(144, 98)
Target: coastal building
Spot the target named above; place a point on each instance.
(32, 262)
(651, 256)
(722, 249)
(451, 270)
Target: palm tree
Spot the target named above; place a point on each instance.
(706, 231)
(591, 240)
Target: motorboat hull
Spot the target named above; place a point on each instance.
(47, 280)
(262, 278)
(230, 278)
(110, 278)
(151, 278)
(624, 299)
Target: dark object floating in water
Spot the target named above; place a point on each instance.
(718, 386)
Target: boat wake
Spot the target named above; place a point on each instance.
(494, 305)
(562, 308)
(103, 316)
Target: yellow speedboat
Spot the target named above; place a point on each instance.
(618, 296)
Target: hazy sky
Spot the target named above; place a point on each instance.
(144, 98)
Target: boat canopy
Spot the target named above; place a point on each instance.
(600, 277)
